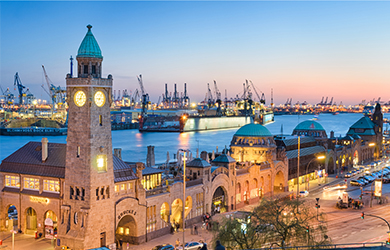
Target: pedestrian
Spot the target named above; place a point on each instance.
(204, 247)
(195, 230)
(218, 246)
(120, 244)
(177, 243)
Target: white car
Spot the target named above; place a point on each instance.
(192, 245)
(303, 193)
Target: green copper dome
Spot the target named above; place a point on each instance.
(89, 46)
(255, 130)
(309, 125)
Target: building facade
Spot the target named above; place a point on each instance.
(86, 197)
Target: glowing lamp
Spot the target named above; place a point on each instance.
(321, 157)
(101, 163)
(372, 144)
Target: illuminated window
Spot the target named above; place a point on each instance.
(12, 181)
(123, 186)
(31, 183)
(120, 230)
(51, 186)
(101, 163)
(127, 231)
(130, 186)
(116, 188)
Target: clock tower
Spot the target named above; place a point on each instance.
(87, 212)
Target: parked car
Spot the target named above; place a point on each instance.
(303, 193)
(192, 245)
(164, 247)
(361, 178)
(355, 183)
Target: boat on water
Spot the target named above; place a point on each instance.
(195, 122)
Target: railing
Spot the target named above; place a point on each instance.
(194, 182)
(331, 246)
(156, 191)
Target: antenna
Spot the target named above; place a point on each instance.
(71, 66)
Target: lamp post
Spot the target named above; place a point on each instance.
(184, 190)
(317, 158)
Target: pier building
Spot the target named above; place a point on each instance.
(86, 197)
(361, 144)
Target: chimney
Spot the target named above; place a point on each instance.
(44, 149)
(118, 152)
(150, 159)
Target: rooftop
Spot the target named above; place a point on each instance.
(89, 46)
(309, 125)
(253, 130)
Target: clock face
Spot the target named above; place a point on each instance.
(100, 98)
(80, 98)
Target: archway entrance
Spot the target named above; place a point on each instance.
(219, 204)
(50, 221)
(31, 220)
(12, 218)
(126, 230)
(279, 182)
(164, 212)
(177, 212)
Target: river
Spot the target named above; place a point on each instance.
(134, 144)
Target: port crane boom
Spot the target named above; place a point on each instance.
(145, 96)
(18, 83)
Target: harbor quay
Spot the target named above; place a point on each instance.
(82, 195)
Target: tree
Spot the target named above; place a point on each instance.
(292, 222)
(239, 233)
(274, 222)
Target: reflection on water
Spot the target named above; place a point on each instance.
(134, 144)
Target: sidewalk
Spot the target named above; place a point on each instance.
(315, 185)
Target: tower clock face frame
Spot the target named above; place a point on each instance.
(80, 98)
(100, 98)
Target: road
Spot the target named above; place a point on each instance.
(346, 226)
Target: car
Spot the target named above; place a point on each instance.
(354, 172)
(361, 178)
(368, 179)
(303, 193)
(192, 245)
(355, 183)
(164, 247)
(349, 174)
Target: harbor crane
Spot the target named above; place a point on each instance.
(262, 98)
(18, 83)
(209, 96)
(57, 94)
(145, 96)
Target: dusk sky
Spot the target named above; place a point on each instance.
(302, 50)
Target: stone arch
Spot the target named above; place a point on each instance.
(238, 192)
(165, 211)
(279, 184)
(187, 206)
(126, 230)
(12, 216)
(31, 220)
(50, 231)
(177, 211)
(220, 200)
(222, 180)
(261, 187)
(246, 192)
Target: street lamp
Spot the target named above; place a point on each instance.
(184, 151)
(317, 158)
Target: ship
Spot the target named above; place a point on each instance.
(186, 123)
